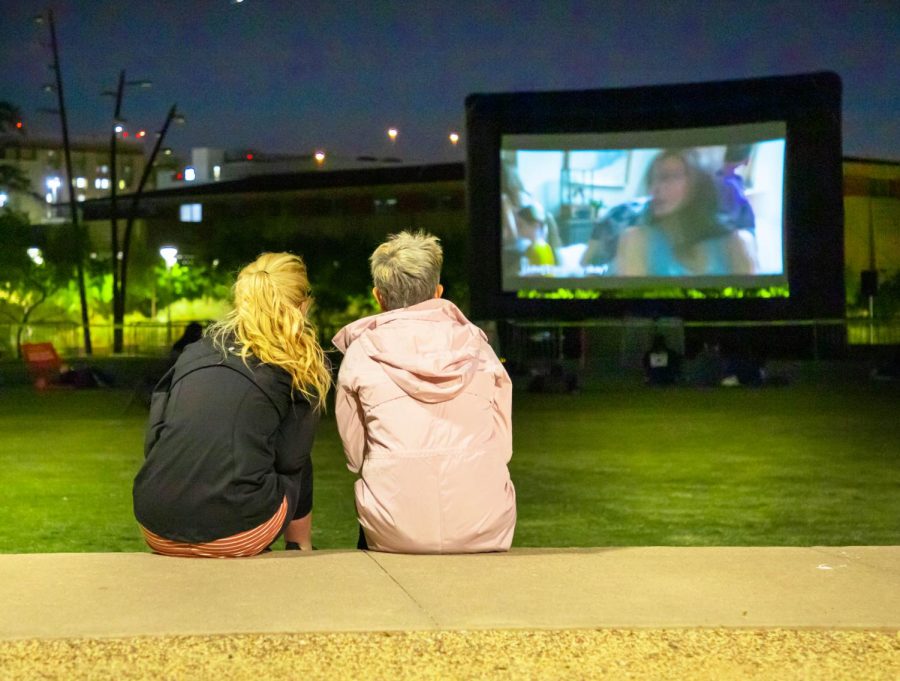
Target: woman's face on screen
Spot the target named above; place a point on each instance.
(669, 186)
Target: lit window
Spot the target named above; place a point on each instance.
(122, 184)
(217, 172)
(190, 174)
(81, 182)
(191, 212)
(97, 183)
(81, 197)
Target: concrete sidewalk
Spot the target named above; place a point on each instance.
(138, 594)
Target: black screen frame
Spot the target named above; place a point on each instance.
(808, 104)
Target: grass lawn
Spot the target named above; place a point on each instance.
(614, 466)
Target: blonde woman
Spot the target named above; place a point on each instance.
(227, 452)
(424, 409)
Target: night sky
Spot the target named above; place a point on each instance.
(293, 76)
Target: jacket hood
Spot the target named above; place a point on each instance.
(430, 350)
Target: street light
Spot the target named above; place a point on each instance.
(454, 138)
(170, 256)
(36, 256)
(119, 310)
(320, 157)
(392, 133)
(77, 230)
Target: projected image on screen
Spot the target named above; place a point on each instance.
(639, 210)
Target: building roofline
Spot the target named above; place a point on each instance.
(314, 179)
(99, 145)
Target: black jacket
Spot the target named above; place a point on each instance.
(224, 445)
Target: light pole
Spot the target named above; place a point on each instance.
(78, 237)
(119, 312)
(170, 256)
(118, 302)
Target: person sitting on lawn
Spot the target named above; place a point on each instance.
(227, 451)
(192, 333)
(662, 365)
(424, 410)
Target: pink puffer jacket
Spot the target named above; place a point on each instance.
(424, 410)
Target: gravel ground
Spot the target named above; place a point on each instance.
(569, 654)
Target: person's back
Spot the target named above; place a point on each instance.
(423, 409)
(227, 465)
(661, 364)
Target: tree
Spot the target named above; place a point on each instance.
(27, 278)
(189, 282)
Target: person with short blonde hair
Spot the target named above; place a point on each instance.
(227, 451)
(406, 269)
(424, 411)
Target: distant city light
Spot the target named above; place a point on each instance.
(190, 174)
(119, 128)
(81, 182)
(19, 125)
(249, 157)
(122, 184)
(454, 138)
(217, 172)
(392, 133)
(36, 256)
(320, 157)
(142, 133)
(4, 197)
(125, 134)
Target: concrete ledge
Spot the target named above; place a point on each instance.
(134, 594)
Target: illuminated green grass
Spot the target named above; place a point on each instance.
(801, 465)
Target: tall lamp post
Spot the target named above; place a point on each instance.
(119, 310)
(170, 256)
(78, 237)
(118, 303)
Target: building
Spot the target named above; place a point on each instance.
(42, 162)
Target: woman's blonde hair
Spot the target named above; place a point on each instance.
(270, 321)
